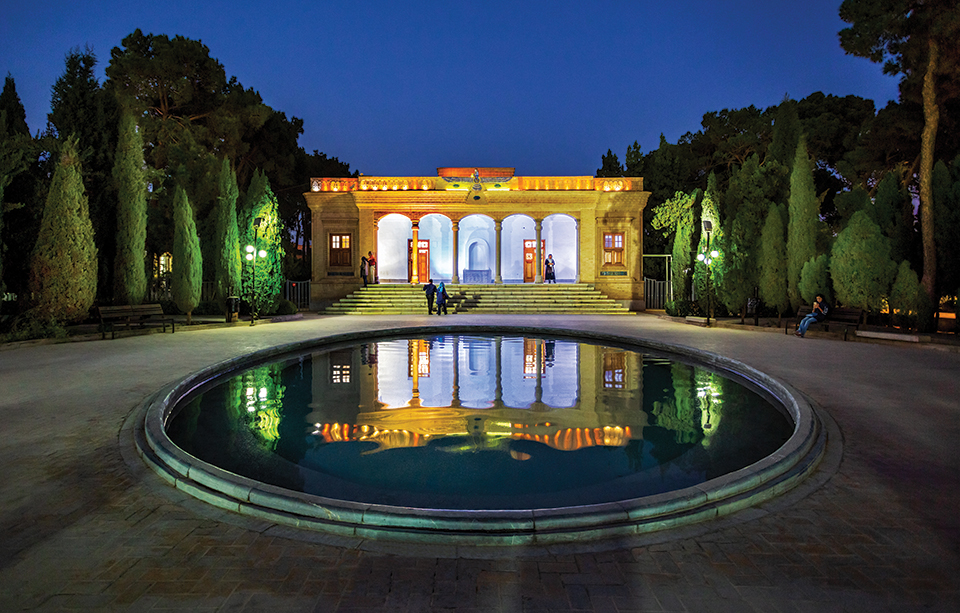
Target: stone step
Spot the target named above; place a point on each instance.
(581, 298)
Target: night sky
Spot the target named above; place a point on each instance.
(400, 88)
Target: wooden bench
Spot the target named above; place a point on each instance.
(839, 316)
(132, 314)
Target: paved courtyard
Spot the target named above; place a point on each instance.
(84, 525)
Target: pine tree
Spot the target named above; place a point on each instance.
(187, 261)
(773, 261)
(226, 237)
(860, 264)
(130, 278)
(803, 208)
(63, 267)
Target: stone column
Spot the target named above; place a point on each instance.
(456, 253)
(415, 255)
(497, 226)
(576, 277)
(376, 250)
(538, 278)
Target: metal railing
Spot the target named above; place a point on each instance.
(655, 293)
(297, 292)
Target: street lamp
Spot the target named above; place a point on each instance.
(252, 255)
(707, 257)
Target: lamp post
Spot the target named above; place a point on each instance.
(707, 257)
(252, 255)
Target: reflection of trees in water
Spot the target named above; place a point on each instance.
(680, 414)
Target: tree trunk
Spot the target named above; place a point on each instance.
(931, 115)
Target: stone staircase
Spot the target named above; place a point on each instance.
(566, 298)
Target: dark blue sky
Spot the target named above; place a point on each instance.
(399, 88)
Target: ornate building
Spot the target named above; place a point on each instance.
(478, 225)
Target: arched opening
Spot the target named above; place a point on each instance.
(516, 229)
(559, 233)
(394, 230)
(476, 239)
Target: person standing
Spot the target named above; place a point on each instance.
(364, 267)
(430, 290)
(819, 313)
(372, 267)
(549, 270)
(442, 298)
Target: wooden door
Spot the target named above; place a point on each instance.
(423, 261)
(530, 260)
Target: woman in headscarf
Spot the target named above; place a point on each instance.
(442, 299)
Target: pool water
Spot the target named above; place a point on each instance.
(479, 422)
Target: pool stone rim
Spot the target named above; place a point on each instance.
(752, 485)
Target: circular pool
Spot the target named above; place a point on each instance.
(483, 437)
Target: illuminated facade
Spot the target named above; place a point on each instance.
(478, 225)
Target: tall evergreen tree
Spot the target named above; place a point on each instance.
(815, 279)
(786, 134)
(226, 236)
(773, 261)
(803, 209)
(63, 267)
(130, 278)
(946, 196)
(905, 299)
(187, 262)
(16, 114)
(708, 278)
(860, 264)
(14, 149)
(19, 213)
(261, 204)
(892, 209)
(80, 107)
(748, 200)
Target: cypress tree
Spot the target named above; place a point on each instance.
(815, 279)
(860, 264)
(706, 279)
(905, 297)
(130, 277)
(13, 160)
(803, 208)
(773, 261)
(786, 134)
(187, 261)
(63, 267)
(262, 204)
(226, 236)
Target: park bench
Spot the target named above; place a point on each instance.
(838, 316)
(132, 314)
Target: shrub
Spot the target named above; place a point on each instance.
(28, 327)
(286, 307)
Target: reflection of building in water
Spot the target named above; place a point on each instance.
(560, 393)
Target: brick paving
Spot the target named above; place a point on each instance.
(85, 526)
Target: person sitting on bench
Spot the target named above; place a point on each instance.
(819, 313)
